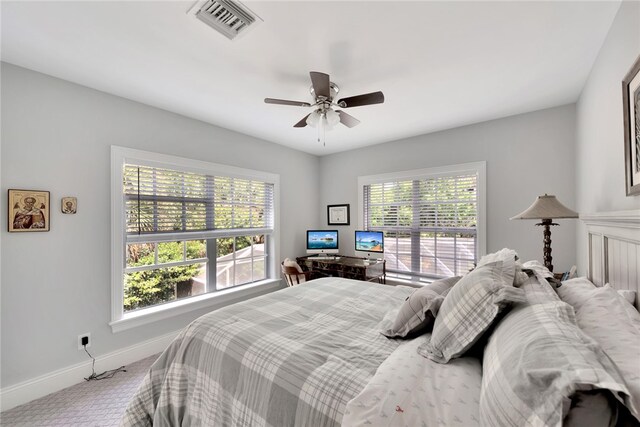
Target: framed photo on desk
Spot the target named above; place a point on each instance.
(338, 214)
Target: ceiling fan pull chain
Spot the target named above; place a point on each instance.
(324, 136)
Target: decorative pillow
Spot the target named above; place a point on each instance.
(443, 286)
(418, 312)
(520, 276)
(535, 358)
(501, 255)
(575, 291)
(607, 318)
(470, 308)
(628, 295)
(537, 268)
(538, 290)
(506, 253)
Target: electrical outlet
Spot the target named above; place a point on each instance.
(88, 340)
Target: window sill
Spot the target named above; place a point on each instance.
(212, 300)
(396, 280)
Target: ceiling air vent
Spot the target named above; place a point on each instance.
(227, 17)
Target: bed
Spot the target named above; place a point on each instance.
(313, 355)
(292, 357)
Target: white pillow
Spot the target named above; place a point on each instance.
(576, 291)
(628, 295)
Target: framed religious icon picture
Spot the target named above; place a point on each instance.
(631, 120)
(338, 214)
(69, 205)
(28, 210)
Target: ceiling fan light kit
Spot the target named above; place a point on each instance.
(332, 118)
(328, 118)
(313, 119)
(325, 116)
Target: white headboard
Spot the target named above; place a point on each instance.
(614, 249)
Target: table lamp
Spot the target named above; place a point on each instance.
(546, 208)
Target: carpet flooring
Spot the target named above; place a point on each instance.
(91, 403)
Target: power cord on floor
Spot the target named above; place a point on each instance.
(103, 376)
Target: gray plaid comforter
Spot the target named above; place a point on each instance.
(290, 358)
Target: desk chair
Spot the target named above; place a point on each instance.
(293, 276)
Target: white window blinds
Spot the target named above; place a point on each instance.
(170, 201)
(430, 224)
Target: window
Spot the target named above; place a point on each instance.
(432, 219)
(185, 228)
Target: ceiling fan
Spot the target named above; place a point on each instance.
(324, 115)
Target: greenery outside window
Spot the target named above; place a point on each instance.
(432, 219)
(189, 229)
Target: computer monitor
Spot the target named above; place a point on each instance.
(370, 241)
(322, 241)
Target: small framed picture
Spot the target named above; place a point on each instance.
(338, 214)
(69, 205)
(28, 210)
(631, 119)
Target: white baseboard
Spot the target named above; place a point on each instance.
(35, 388)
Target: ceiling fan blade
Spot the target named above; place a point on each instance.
(359, 100)
(286, 102)
(347, 119)
(302, 123)
(320, 82)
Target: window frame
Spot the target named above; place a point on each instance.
(121, 320)
(434, 172)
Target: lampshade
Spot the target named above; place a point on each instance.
(546, 207)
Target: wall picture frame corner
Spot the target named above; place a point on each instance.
(338, 214)
(631, 122)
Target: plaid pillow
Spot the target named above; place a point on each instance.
(470, 308)
(502, 254)
(607, 318)
(535, 359)
(417, 313)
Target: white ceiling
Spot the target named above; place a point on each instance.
(439, 64)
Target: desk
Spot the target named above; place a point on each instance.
(346, 266)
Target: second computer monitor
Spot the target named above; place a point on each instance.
(370, 241)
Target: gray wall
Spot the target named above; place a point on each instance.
(56, 136)
(600, 179)
(527, 155)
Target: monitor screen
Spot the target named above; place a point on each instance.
(370, 241)
(322, 241)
